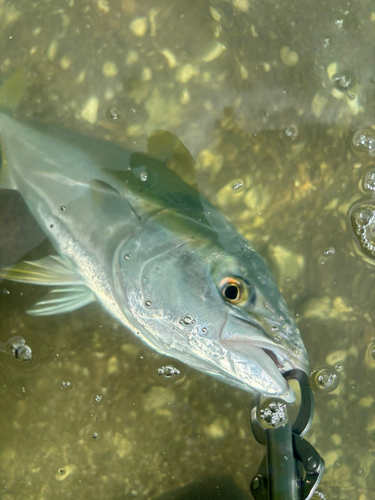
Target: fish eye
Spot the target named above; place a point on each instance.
(234, 290)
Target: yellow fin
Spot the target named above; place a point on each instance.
(12, 90)
(51, 270)
(167, 147)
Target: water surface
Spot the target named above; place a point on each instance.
(267, 97)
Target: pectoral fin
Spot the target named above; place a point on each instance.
(51, 270)
(62, 300)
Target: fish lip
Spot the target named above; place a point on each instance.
(284, 391)
(281, 357)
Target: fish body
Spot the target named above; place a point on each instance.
(132, 235)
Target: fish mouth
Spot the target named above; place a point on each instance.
(267, 356)
(284, 359)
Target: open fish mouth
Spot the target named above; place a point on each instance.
(253, 335)
(267, 356)
(283, 358)
(280, 356)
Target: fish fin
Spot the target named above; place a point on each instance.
(19, 231)
(6, 182)
(12, 90)
(168, 148)
(51, 270)
(109, 199)
(104, 187)
(62, 300)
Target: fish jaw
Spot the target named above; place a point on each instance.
(268, 357)
(250, 369)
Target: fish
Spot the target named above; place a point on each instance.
(133, 236)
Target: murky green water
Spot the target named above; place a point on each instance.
(266, 93)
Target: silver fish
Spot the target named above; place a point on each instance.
(133, 236)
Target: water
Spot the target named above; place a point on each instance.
(280, 97)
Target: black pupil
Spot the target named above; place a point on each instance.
(231, 292)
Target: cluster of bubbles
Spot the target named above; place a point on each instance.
(170, 374)
(66, 385)
(361, 215)
(363, 221)
(274, 414)
(368, 182)
(363, 142)
(168, 371)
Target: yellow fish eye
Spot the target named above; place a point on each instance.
(233, 290)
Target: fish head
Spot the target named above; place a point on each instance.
(212, 305)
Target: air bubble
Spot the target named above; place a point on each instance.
(291, 131)
(363, 216)
(237, 185)
(21, 351)
(204, 330)
(344, 81)
(95, 435)
(143, 176)
(63, 472)
(148, 303)
(327, 379)
(330, 251)
(368, 182)
(187, 319)
(63, 208)
(370, 355)
(362, 219)
(114, 114)
(169, 374)
(363, 142)
(52, 226)
(66, 386)
(168, 371)
(127, 256)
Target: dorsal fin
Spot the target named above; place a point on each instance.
(109, 199)
(168, 148)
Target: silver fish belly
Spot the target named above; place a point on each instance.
(131, 235)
